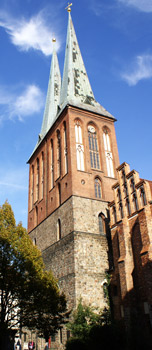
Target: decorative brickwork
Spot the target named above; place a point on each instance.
(131, 232)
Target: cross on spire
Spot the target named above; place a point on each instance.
(68, 8)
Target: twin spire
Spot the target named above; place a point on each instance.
(53, 94)
(75, 89)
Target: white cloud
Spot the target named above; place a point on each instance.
(27, 103)
(13, 180)
(141, 5)
(140, 69)
(30, 102)
(33, 33)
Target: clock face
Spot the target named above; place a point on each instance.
(91, 128)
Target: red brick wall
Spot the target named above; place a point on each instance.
(74, 182)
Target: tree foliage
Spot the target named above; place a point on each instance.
(83, 318)
(92, 330)
(29, 295)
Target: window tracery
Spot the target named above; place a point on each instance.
(52, 165)
(79, 146)
(65, 150)
(142, 196)
(93, 147)
(97, 187)
(58, 154)
(108, 153)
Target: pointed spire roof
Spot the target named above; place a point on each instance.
(76, 89)
(53, 95)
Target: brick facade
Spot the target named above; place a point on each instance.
(131, 233)
(65, 225)
(73, 182)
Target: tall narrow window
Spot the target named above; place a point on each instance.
(132, 184)
(123, 176)
(37, 180)
(142, 196)
(120, 203)
(121, 210)
(118, 244)
(128, 206)
(79, 146)
(32, 187)
(65, 150)
(119, 195)
(59, 194)
(93, 147)
(97, 187)
(52, 166)
(108, 153)
(114, 214)
(135, 202)
(36, 215)
(58, 230)
(58, 154)
(101, 219)
(42, 175)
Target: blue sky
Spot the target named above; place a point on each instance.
(115, 39)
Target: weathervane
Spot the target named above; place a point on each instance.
(68, 8)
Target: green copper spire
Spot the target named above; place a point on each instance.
(76, 89)
(53, 95)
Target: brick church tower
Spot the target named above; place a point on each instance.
(71, 173)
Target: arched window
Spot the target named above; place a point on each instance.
(93, 147)
(58, 154)
(42, 175)
(52, 165)
(128, 206)
(79, 146)
(108, 153)
(117, 244)
(34, 241)
(135, 202)
(97, 187)
(123, 176)
(132, 184)
(119, 195)
(37, 179)
(142, 196)
(58, 229)
(101, 220)
(36, 215)
(114, 215)
(121, 210)
(32, 186)
(65, 150)
(59, 194)
(125, 188)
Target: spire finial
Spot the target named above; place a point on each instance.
(53, 40)
(68, 8)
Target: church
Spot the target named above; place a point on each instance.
(88, 214)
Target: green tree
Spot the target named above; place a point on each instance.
(83, 319)
(29, 295)
(92, 330)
